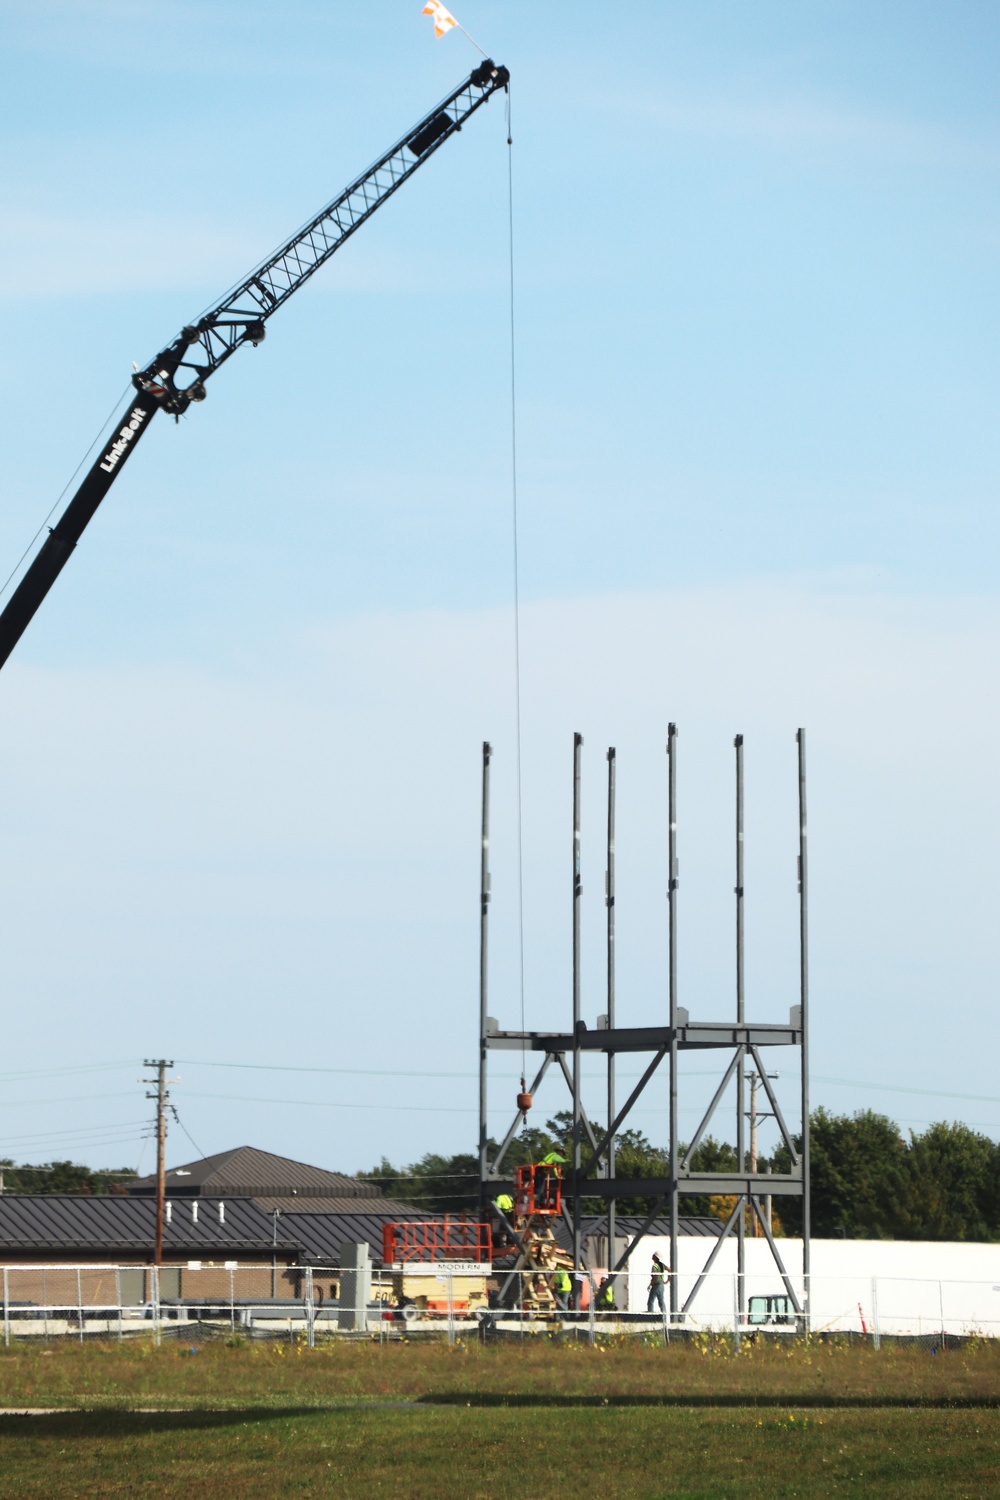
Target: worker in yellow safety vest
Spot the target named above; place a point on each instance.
(606, 1295)
(562, 1287)
(501, 1235)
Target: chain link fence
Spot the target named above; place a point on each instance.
(313, 1303)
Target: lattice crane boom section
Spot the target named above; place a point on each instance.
(240, 316)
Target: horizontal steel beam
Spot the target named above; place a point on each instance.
(702, 1183)
(693, 1036)
(755, 1185)
(729, 1034)
(627, 1039)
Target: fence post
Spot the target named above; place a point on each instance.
(79, 1303)
(666, 1324)
(875, 1329)
(232, 1300)
(944, 1332)
(6, 1311)
(590, 1306)
(736, 1312)
(451, 1308)
(381, 1308)
(154, 1273)
(310, 1310)
(118, 1297)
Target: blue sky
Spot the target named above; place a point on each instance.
(756, 254)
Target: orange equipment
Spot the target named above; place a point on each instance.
(436, 1240)
(539, 1258)
(538, 1190)
(438, 1266)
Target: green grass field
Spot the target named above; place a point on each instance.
(419, 1420)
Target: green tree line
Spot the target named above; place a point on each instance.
(450, 1184)
(868, 1180)
(63, 1177)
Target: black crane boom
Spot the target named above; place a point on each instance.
(176, 377)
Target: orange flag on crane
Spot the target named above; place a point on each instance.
(443, 18)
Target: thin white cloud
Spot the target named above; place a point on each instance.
(804, 124)
(44, 255)
(48, 255)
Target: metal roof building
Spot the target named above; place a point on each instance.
(245, 1205)
(275, 1184)
(67, 1226)
(247, 1172)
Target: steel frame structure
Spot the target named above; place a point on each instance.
(737, 1042)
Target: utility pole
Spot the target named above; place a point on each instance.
(162, 1097)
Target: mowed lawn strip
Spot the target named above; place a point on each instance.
(281, 1375)
(424, 1453)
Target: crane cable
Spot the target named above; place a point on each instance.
(517, 600)
(103, 428)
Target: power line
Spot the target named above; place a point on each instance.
(62, 1072)
(83, 1130)
(106, 423)
(188, 1133)
(9, 1103)
(897, 1088)
(429, 1109)
(423, 1073)
(187, 1062)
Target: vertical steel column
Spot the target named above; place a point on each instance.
(609, 897)
(484, 907)
(672, 961)
(740, 1018)
(800, 740)
(577, 888)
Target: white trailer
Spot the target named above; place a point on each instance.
(893, 1287)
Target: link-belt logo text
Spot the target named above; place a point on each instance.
(136, 418)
